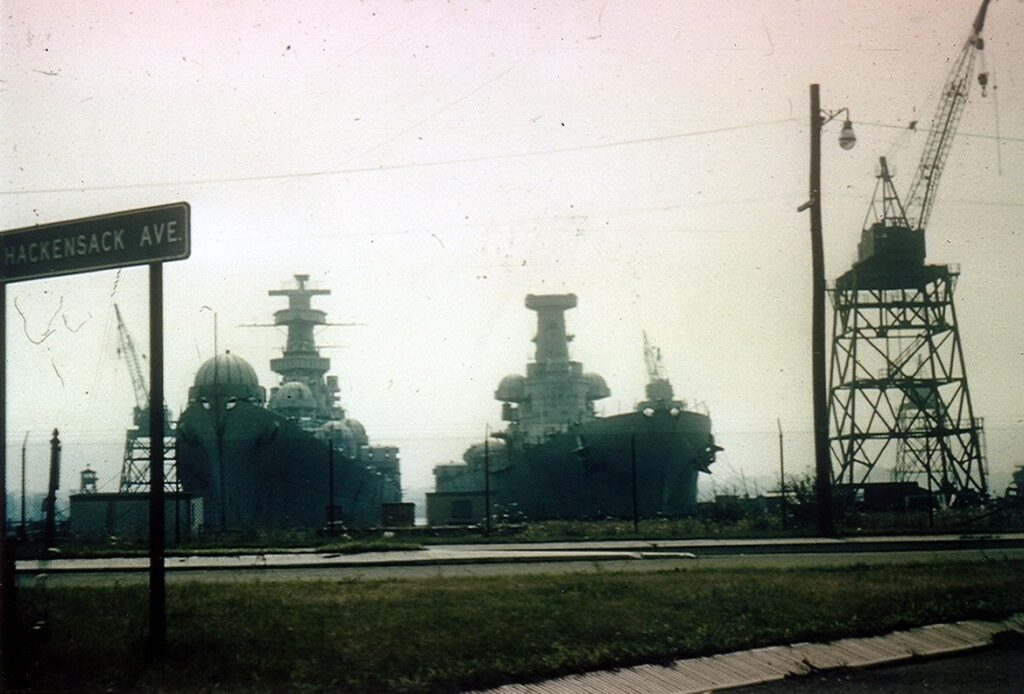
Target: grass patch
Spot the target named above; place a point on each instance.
(445, 635)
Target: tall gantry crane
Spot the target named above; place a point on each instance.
(126, 350)
(135, 465)
(898, 384)
(945, 122)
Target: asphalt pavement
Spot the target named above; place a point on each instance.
(532, 558)
(994, 670)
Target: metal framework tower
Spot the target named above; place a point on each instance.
(135, 463)
(898, 384)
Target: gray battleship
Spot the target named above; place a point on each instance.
(296, 460)
(557, 458)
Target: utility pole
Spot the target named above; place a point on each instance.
(487, 480)
(330, 487)
(632, 459)
(822, 460)
(24, 445)
(219, 429)
(782, 474)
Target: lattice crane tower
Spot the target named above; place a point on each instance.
(898, 382)
(135, 464)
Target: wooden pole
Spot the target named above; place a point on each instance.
(330, 487)
(632, 459)
(782, 474)
(822, 462)
(487, 480)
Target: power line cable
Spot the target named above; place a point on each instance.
(999, 138)
(399, 167)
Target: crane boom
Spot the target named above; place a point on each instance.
(944, 125)
(126, 348)
(652, 360)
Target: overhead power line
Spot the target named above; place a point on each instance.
(398, 167)
(457, 160)
(913, 127)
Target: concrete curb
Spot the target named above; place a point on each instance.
(761, 665)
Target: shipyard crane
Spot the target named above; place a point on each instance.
(652, 358)
(897, 363)
(658, 389)
(126, 350)
(955, 90)
(135, 465)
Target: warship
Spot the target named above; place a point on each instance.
(558, 459)
(293, 461)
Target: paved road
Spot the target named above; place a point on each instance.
(438, 561)
(526, 564)
(997, 670)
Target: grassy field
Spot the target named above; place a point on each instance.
(445, 635)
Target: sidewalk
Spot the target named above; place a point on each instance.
(761, 665)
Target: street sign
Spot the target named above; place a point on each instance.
(148, 236)
(133, 237)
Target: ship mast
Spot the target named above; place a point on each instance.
(552, 340)
(555, 393)
(301, 361)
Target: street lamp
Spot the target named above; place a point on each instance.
(822, 460)
(847, 138)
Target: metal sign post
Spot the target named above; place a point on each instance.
(148, 236)
(7, 617)
(157, 587)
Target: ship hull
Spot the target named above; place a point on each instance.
(615, 466)
(255, 469)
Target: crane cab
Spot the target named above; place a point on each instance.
(891, 245)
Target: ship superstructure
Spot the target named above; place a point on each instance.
(559, 459)
(555, 394)
(295, 461)
(306, 391)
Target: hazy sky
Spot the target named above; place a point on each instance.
(433, 162)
